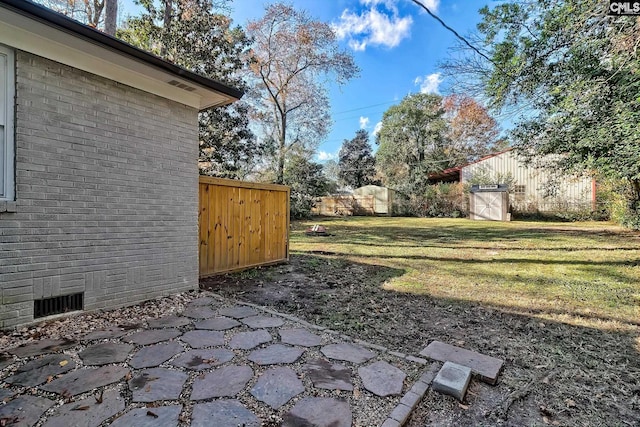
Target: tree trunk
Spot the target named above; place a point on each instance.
(166, 23)
(110, 17)
(282, 145)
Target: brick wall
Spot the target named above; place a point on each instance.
(106, 193)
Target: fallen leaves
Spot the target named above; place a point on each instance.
(7, 421)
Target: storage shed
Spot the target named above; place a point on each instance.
(382, 198)
(489, 202)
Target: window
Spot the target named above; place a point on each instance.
(519, 192)
(7, 87)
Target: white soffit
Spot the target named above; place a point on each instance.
(35, 37)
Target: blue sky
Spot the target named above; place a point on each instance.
(396, 45)
(394, 42)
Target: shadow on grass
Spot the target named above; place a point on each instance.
(432, 234)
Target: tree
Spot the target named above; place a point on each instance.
(291, 54)
(307, 182)
(197, 35)
(331, 172)
(576, 69)
(472, 131)
(356, 164)
(110, 17)
(412, 143)
(88, 12)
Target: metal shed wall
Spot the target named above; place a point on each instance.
(573, 192)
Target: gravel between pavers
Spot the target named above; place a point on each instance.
(367, 408)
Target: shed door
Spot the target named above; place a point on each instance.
(489, 206)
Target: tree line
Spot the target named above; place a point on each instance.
(567, 69)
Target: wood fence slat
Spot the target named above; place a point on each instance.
(241, 225)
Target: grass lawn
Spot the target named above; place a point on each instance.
(559, 302)
(590, 270)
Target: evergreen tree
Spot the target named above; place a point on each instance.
(307, 182)
(197, 35)
(356, 164)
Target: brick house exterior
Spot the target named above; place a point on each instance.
(104, 202)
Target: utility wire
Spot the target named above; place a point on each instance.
(455, 33)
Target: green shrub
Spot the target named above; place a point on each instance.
(437, 201)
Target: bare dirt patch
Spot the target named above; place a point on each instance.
(556, 373)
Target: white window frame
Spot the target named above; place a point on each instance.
(7, 97)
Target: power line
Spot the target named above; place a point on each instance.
(455, 33)
(364, 108)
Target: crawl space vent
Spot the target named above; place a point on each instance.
(57, 305)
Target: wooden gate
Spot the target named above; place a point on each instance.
(241, 225)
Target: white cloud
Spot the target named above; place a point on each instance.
(323, 156)
(373, 26)
(428, 84)
(364, 122)
(389, 4)
(432, 5)
(376, 128)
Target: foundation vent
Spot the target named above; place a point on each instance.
(57, 305)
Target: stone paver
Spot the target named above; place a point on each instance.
(217, 324)
(163, 416)
(453, 379)
(203, 338)
(382, 378)
(486, 367)
(6, 394)
(258, 322)
(227, 381)
(163, 354)
(105, 353)
(299, 336)
(238, 311)
(152, 336)
(154, 355)
(5, 360)
(41, 347)
(349, 352)
(83, 380)
(37, 371)
(105, 334)
(199, 312)
(277, 386)
(275, 354)
(169, 322)
(157, 384)
(226, 413)
(249, 340)
(87, 412)
(324, 374)
(24, 411)
(319, 412)
(198, 360)
(202, 301)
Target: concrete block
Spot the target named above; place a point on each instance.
(453, 379)
(400, 413)
(486, 367)
(390, 422)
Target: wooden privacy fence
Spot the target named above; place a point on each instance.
(241, 225)
(344, 205)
